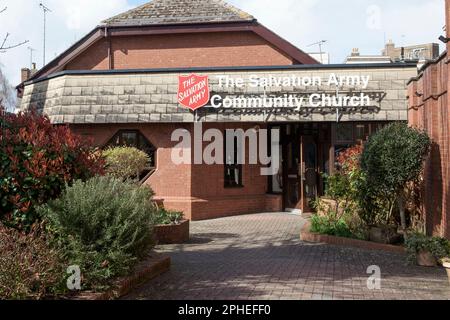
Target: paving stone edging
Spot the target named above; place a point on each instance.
(308, 236)
(155, 265)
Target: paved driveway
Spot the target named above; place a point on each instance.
(261, 257)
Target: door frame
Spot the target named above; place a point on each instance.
(299, 135)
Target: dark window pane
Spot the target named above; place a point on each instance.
(344, 132)
(362, 132)
(233, 170)
(136, 140)
(130, 139)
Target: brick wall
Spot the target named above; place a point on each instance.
(430, 110)
(197, 190)
(181, 50)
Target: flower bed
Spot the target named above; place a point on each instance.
(148, 269)
(308, 236)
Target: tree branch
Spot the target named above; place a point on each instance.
(3, 47)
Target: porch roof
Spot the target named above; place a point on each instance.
(151, 96)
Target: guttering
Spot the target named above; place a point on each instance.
(225, 69)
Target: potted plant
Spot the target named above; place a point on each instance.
(446, 264)
(385, 234)
(426, 251)
(171, 227)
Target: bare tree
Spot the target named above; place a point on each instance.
(7, 93)
(4, 46)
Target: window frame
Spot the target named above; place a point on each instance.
(233, 167)
(140, 140)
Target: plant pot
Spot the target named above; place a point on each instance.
(384, 234)
(426, 259)
(172, 234)
(446, 265)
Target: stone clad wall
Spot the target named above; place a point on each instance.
(152, 97)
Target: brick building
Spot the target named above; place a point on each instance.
(429, 109)
(120, 85)
(420, 52)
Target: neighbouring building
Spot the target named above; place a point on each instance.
(429, 109)
(420, 52)
(176, 64)
(356, 58)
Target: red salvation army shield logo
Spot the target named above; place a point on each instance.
(193, 91)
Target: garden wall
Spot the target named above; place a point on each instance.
(429, 110)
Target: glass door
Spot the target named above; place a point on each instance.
(309, 173)
(291, 169)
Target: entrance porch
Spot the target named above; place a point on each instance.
(308, 154)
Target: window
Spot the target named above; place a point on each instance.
(133, 138)
(362, 132)
(233, 170)
(344, 133)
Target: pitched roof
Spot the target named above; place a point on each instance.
(159, 12)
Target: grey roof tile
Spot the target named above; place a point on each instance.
(159, 12)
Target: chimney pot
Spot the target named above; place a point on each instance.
(355, 52)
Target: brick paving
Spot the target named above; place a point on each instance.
(261, 257)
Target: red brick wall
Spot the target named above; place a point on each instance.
(95, 58)
(197, 190)
(214, 200)
(430, 110)
(181, 50)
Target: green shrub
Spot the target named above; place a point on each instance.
(415, 242)
(29, 267)
(164, 217)
(125, 162)
(104, 226)
(391, 159)
(327, 226)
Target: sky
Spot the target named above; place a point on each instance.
(345, 24)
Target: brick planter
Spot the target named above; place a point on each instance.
(307, 236)
(446, 265)
(172, 234)
(153, 266)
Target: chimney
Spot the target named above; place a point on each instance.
(355, 52)
(26, 74)
(389, 49)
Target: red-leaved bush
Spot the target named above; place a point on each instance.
(350, 159)
(37, 159)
